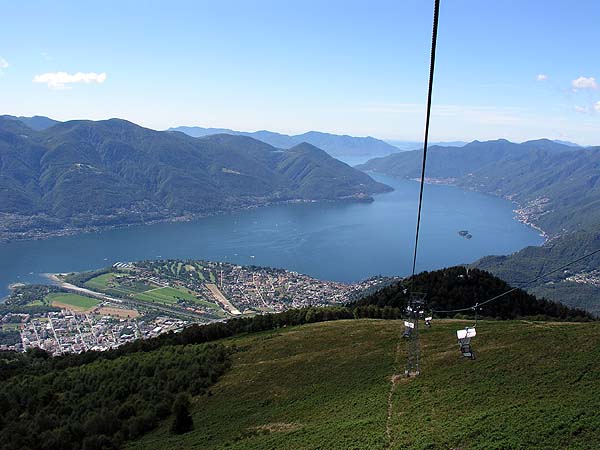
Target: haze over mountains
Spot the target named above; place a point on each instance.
(82, 174)
(335, 145)
(37, 123)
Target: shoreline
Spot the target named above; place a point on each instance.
(67, 231)
(54, 280)
(520, 210)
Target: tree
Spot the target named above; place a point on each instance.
(182, 422)
(36, 352)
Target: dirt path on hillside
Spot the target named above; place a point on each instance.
(394, 381)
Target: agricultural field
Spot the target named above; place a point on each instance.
(101, 282)
(146, 288)
(71, 301)
(36, 303)
(331, 385)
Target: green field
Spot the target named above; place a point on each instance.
(110, 284)
(77, 302)
(206, 304)
(101, 281)
(35, 303)
(165, 295)
(326, 386)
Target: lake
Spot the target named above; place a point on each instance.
(334, 241)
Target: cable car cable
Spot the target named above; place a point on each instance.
(416, 300)
(434, 33)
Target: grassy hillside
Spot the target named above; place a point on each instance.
(326, 385)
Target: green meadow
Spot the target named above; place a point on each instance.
(328, 386)
(75, 301)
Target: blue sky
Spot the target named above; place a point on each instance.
(354, 67)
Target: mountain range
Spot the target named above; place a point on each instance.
(334, 144)
(415, 145)
(82, 174)
(37, 123)
(558, 185)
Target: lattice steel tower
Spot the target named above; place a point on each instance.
(415, 312)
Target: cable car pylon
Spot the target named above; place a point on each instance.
(414, 311)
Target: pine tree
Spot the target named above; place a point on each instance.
(182, 422)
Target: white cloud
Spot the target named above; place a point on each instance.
(581, 109)
(541, 77)
(3, 64)
(597, 106)
(585, 83)
(60, 80)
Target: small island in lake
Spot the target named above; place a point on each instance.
(465, 234)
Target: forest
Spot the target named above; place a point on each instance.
(462, 287)
(105, 403)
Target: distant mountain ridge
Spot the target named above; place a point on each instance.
(335, 145)
(569, 143)
(82, 174)
(414, 145)
(37, 123)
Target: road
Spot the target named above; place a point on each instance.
(218, 295)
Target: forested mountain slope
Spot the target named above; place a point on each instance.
(577, 285)
(82, 173)
(461, 287)
(559, 184)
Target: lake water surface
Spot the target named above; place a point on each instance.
(344, 241)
